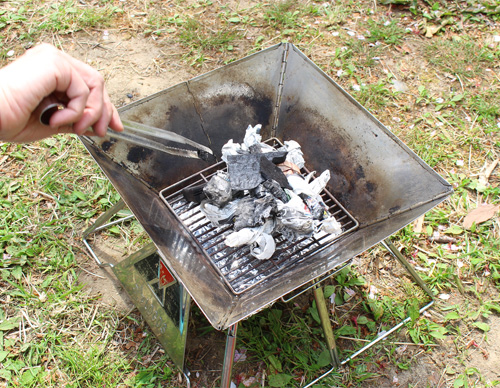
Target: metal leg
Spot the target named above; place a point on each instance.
(326, 325)
(394, 251)
(99, 224)
(318, 294)
(227, 367)
(104, 217)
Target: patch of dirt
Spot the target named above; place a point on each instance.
(484, 353)
(102, 281)
(133, 67)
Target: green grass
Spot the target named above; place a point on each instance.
(54, 333)
(29, 20)
(385, 31)
(63, 333)
(462, 57)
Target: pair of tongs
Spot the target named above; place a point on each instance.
(135, 133)
(140, 134)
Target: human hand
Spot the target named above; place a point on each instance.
(45, 72)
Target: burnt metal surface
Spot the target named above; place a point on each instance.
(368, 163)
(382, 183)
(209, 109)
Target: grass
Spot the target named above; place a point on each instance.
(54, 333)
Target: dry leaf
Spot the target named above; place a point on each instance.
(418, 224)
(431, 30)
(484, 175)
(480, 214)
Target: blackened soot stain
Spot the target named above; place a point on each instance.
(370, 187)
(137, 154)
(360, 173)
(394, 209)
(107, 145)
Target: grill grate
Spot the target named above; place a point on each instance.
(239, 269)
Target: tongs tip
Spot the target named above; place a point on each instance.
(206, 156)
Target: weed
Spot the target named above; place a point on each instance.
(198, 36)
(385, 31)
(462, 57)
(61, 17)
(282, 15)
(374, 96)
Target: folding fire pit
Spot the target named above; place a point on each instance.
(377, 186)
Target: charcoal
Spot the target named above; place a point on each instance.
(277, 157)
(275, 189)
(270, 171)
(252, 212)
(260, 191)
(316, 205)
(218, 189)
(244, 171)
(194, 193)
(255, 148)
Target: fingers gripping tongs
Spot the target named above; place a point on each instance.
(148, 137)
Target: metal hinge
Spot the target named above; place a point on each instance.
(286, 48)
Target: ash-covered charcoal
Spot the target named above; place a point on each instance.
(331, 226)
(264, 193)
(244, 171)
(316, 206)
(277, 157)
(263, 247)
(219, 215)
(262, 244)
(252, 212)
(295, 216)
(295, 154)
(276, 190)
(218, 189)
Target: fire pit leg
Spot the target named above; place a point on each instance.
(326, 325)
(227, 367)
(395, 252)
(99, 224)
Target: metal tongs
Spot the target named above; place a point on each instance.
(134, 133)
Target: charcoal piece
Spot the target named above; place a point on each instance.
(252, 212)
(259, 192)
(270, 171)
(255, 148)
(244, 171)
(277, 157)
(275, 189)
(218, 189)
(194, 193)
(300, 222)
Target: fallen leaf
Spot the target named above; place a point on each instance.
(431, 30)
(484, 175)
(480, 214)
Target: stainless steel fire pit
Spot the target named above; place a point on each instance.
(378, 184)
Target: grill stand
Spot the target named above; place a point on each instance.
(172, 335)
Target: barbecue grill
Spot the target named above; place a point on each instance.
(377, 186)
